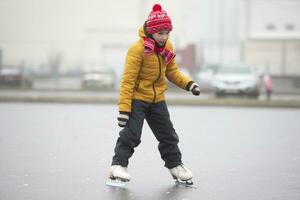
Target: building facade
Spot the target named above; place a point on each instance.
(84, 33)
(270, 36)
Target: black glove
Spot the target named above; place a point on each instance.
(123, 118)
(195, 89)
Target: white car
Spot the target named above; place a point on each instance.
(98, 80)
(236, 79)
(15, 77)
(205, 76)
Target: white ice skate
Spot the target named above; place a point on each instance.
(182, 175)
(118, 176)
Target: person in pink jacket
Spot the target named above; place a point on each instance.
(268, 86)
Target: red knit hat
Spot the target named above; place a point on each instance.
(158, 20)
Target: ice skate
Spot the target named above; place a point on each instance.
(118, 176)
(182, 175)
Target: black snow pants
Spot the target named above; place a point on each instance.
(158, 118)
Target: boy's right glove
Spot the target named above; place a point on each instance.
(123, 118)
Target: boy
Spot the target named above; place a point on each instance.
(143, 84)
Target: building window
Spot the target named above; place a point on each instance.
(270, 27)
(289, 27)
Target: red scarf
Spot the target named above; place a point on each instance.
(150, 48)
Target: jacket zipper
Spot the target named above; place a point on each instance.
(159, 74)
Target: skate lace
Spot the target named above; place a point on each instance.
(181, 168)
(184, 169)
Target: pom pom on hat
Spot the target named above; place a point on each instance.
(156, 7)
(158, 20)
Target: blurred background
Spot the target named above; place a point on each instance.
(81, 44)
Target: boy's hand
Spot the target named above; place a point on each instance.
(123, 118)
(195, 89)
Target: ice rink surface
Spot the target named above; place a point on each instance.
(63, 152)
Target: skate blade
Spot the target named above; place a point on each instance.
(188, 183)
(116, 183)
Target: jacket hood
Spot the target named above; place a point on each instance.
(141, 33)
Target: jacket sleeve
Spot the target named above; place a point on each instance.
(132, 67)
(174, 75)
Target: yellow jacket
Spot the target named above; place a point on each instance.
(144, 76)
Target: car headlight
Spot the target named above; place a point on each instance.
(249, 83)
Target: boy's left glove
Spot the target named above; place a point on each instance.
(195, 89)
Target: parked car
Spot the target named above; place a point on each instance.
(15, 77)
(236, 79)
(100, 79)
(205, 76)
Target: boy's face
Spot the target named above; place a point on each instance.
(161, 37)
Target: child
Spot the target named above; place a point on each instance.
(143, 84)
(268, 85)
